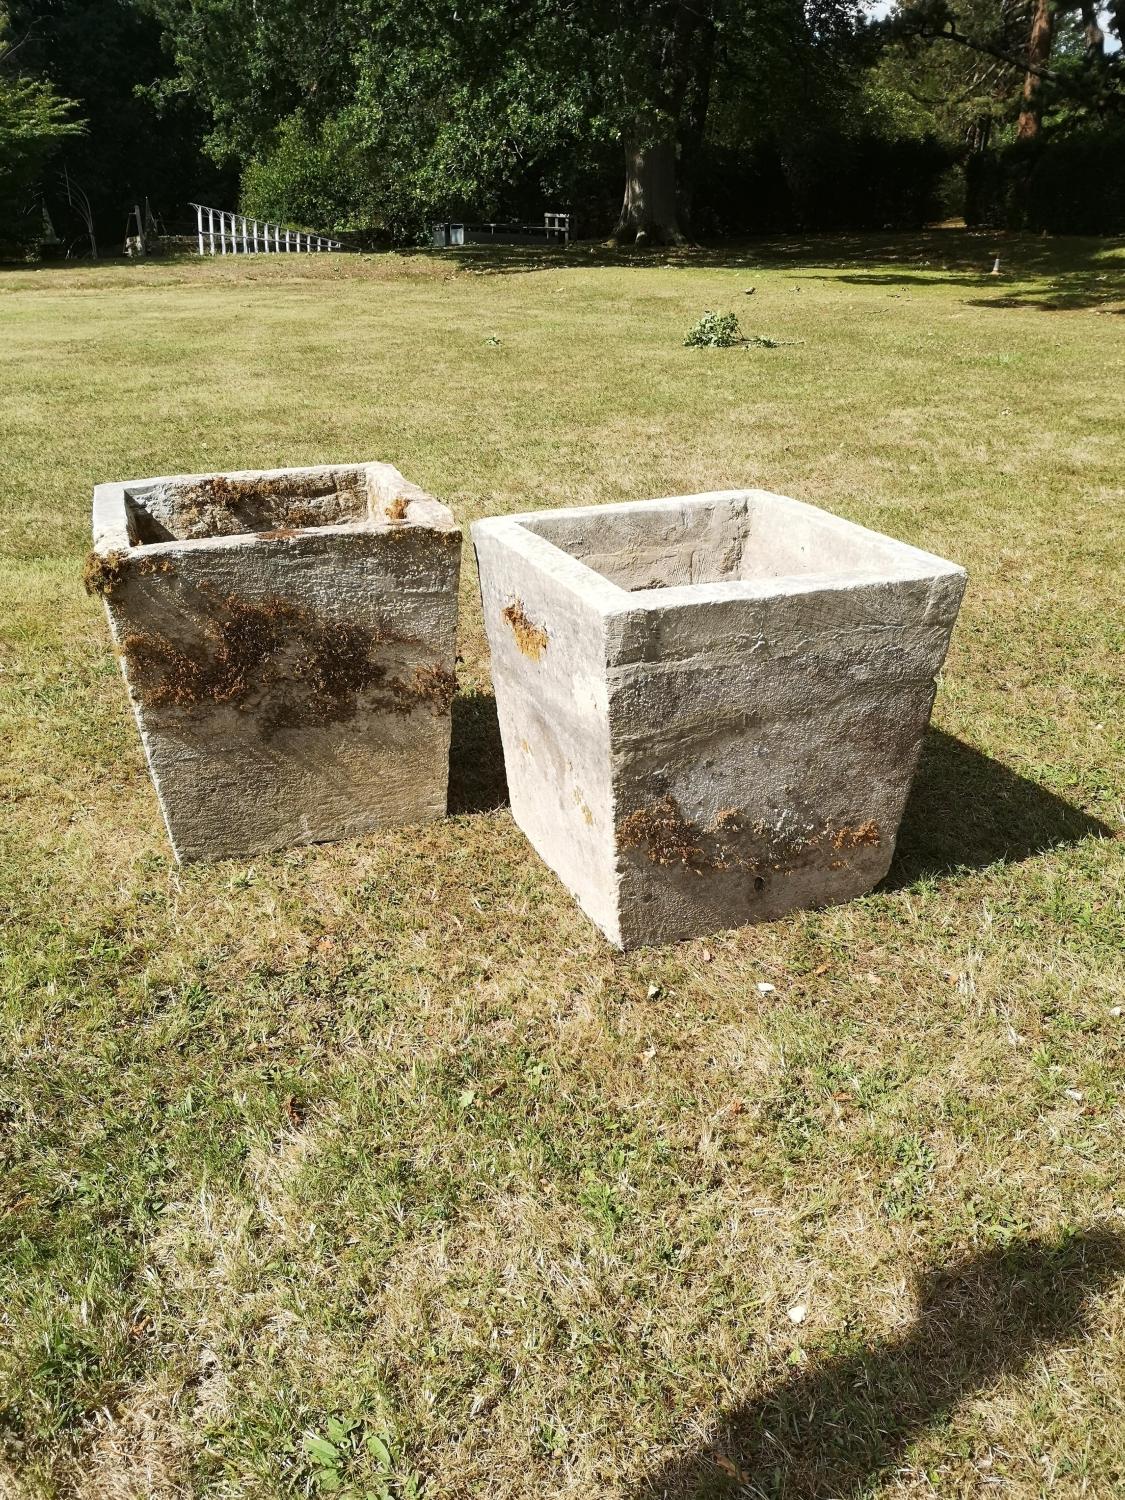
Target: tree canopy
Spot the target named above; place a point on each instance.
(650, 119)
(34, 121)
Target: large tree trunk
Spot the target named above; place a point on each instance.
(697, 103)
(1038, 57)
(648, 212)
(1092, 31)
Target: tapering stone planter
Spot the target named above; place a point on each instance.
(711, 705)
(287, 639)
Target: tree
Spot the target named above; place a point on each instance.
(143, 139)
(449, 104)
(1022, 37)
(34, 122)
(1039, 43)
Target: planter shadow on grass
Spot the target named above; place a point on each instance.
(477, 779)
(966, 811)
(831, 1431)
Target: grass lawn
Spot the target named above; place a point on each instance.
(371, 1169)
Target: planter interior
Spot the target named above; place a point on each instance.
(196, 507)
(721, 539)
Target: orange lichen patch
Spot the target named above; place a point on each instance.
(396, 510)
(531, 638)
(853, 838)
(582, 807)
(669, 838)
(731, 842)
(282, 534)
(729, 820)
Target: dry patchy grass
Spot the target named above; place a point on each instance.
(379, 1142)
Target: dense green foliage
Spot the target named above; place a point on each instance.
(1073, 185)
(143, 136)
(376, 117)
(714, 330)
(34, 121)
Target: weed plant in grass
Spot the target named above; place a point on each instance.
(371, 1165)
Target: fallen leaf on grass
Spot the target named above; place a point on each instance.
(730, 1468)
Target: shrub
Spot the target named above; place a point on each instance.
(1064, 184)
(311, 176)
(714, 331)
(827, 181)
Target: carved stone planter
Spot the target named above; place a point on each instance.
(711, 705)
(287, 639)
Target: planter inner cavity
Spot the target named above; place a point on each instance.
(711, 705)
(735, 538)
(287, 639)
(197, 506)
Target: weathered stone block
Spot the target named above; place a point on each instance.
(287, 639)
(711, 705)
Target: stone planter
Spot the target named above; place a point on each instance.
(711, 705)
(287, 639)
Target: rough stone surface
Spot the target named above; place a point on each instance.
(711, 705)
(287, 639)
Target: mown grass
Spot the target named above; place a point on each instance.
(379, 1145)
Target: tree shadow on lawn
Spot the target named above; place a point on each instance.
(1073, 290)
(942, 252)
(966, 810)
(1073, 293)
(830, 1432)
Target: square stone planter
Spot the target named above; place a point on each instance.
(287, 639)
(711, 705)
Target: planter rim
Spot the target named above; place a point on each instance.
(111, 533)
(893, 562)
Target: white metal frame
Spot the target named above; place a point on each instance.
(256, 236)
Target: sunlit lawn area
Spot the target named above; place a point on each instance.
(371, 1169)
